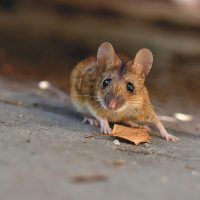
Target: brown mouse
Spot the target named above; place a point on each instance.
(107, 89)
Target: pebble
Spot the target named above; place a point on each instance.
(116, 142)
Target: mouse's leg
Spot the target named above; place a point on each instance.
(165, 134)
(90, 120)
(135, 125)
(105, 127)
(149, 115)
(131, 124)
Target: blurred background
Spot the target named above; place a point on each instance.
(44, 39)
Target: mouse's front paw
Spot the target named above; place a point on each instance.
(105, 128)
(170, 137)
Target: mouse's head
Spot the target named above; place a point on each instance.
(121, 85)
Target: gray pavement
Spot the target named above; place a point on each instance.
(42, 147)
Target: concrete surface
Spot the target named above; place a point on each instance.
(42, 147)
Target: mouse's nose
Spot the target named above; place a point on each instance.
(112, 104)
(115, 102)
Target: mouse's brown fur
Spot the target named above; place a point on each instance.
(111, 101)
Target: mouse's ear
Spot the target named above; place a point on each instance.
(106, 55)
(143, 61)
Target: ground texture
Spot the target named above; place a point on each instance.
(43, 151)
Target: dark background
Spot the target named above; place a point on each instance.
(43, 39)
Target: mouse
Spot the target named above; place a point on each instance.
(108, 89)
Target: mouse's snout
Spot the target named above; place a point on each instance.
(113, 103)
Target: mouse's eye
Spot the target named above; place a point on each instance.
(130, 87)
(106, 82)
